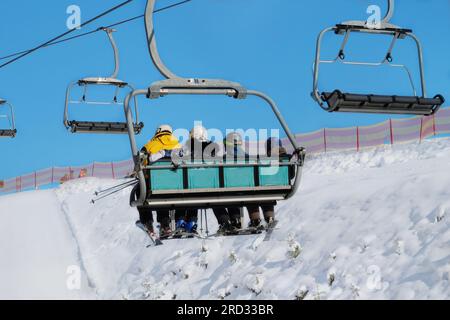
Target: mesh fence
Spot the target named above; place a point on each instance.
(325, 140)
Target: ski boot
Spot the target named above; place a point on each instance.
(191, 227)
(186, 230)
(180, 229)
(255, 225)
(227, 228)
(271, 223)
(236, 223)
(148, 227)
(165, 232)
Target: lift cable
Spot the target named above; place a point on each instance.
(56, 40)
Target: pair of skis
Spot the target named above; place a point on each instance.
(250, 231)
(156, 239)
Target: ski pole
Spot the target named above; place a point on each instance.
(110, 194)
(105, 196)
(206, 222)
(201, 221)
(114, 187)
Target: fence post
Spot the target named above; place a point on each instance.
(357, 139)
(392, 131)
(434, 124)
(18, 184)
(421, 130)
(35, 180)
(325, 139)
(112, 169)
(93, 169)
(53, 175)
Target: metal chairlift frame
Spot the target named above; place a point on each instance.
(345, 102)
(11, 131)
(95, 126)
(175, 85)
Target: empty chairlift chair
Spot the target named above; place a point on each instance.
(7, 123)
(340, 101)
(77, 126)
(212, 183)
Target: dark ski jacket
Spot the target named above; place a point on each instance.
(195, 150)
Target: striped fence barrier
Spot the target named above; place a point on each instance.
(393, 131)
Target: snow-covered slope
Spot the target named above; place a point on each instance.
(374, 224)
(36, 248)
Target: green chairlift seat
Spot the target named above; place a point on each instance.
(219, 184)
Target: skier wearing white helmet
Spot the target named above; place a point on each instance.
(199, 133)
(200, 148)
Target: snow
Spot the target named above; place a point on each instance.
(367, 225)
(36, 248)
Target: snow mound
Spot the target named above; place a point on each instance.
(367, 225)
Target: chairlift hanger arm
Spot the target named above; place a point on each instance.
(240, 92)
(384, 23)
(151, 40)
(390, 11)
(112, 79)
(109, 32)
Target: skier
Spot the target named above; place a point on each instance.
(83, 173)
(200, 148)
(233, 147)
(162, 146)
(275, 150)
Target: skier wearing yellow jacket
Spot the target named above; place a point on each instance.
(162, 146)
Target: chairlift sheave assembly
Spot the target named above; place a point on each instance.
(339, 101)
(7, 118)
(165, 186)
(96, 126)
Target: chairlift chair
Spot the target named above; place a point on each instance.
(207, 185)
(340, 101)
(7, 113)
(77, 126)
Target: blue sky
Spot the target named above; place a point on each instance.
(266, 45)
